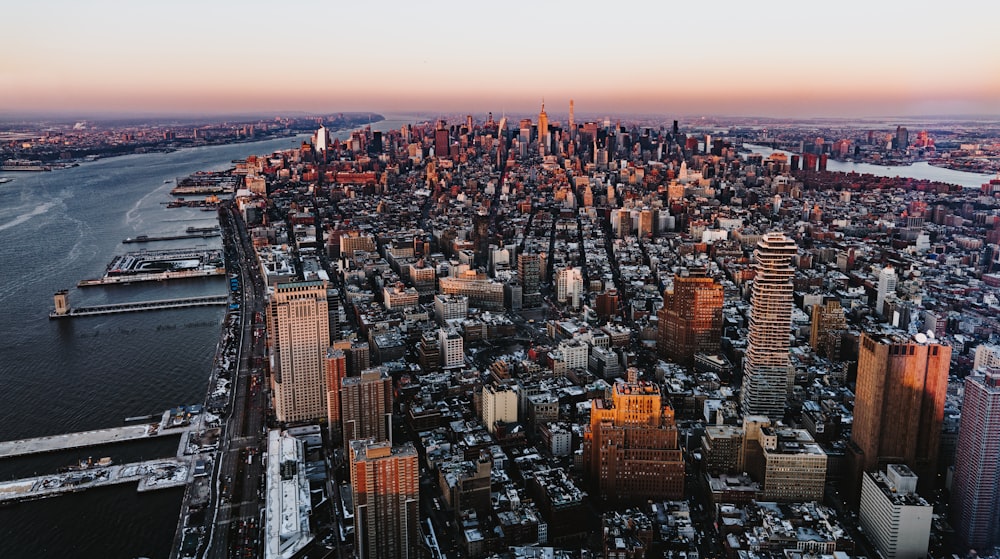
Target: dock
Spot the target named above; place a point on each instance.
(160, 265)
(53, 443)
(149, 239)
(140, 306)
(150, 474)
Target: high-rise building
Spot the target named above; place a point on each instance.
(499, 404)
(827, 330)
(569, 286)
(451, 347)
(366, 406)
(630, 448)
(766, 368)
(441, 142)
(336, 372)
(298, 326)
(690, 320)
(899, 403)
(975, 491)
(788, 463)
(895, 518)
(529, 272)
(572, 122)
(886, 286)
(543, 130)
(987, 355)
(385, 483)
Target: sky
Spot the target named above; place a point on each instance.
(778, 58)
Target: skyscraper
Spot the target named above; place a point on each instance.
(975, 491)
(365, 403)
(886, 286)
(543, 130)
(766, 366)
(690, 321)
(336, 372)
(899, 403)
(298, 326)
(630, 449)
(386, 488)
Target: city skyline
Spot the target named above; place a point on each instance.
(742, 59)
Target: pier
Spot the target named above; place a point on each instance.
(151, 475)
(167, 427)
(149, 239)
(65, 311)
(160, 265)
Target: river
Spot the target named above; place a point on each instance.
(68, 375)
(919, 170)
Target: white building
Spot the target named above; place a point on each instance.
(986, 356)
(452, 348)
(895, 518)
(450, 307)
(499, 404)
(569, 286)
(286, 520)
(887, 280)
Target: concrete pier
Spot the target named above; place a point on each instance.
(53, 443)
(151, 475)
(67, 311)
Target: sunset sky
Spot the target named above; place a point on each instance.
(780, 58)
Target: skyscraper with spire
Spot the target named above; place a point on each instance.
(543, 129)
(766, 366)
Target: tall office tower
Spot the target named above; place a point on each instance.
(898, 404)
(902, 137)
(529, 272)
(336, 372)
(385, 482)
(690, 320)
(333, 313)
(572, 121)
(827, 330)
(441, 141)
(630, 448)
(499, 404)
(766, 368)
(366, 406)
(975, 491)
(895, 518)
(886, 286)
(543, 130)
(298, 326)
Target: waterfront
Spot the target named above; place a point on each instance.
(89, 373)
(919, 170)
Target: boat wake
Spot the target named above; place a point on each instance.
(37, 211)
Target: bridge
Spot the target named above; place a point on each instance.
(139, 306)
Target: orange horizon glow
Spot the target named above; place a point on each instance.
(743, 60)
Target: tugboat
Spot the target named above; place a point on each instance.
(87, 464)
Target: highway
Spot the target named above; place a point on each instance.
(221, 514)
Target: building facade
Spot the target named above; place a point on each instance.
(899, 403)
(386, 488)
(766, 368)
(630, 448)
(975, 493)
(298, 327)
(366, 402)
(895, 518)
(690, 320)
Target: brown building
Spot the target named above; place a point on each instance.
(336, 372)
(899, 404)
(690, 321)
(386, 489)
(365, 403)
(828, 327)
(630, 449)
